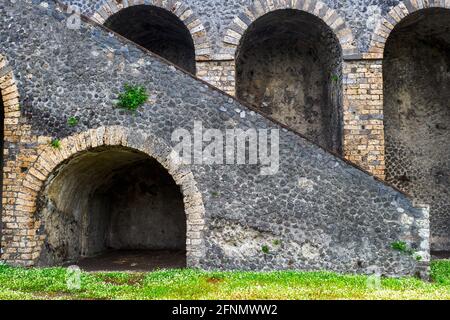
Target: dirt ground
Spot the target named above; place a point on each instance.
(150, 260)
(440, 255)
(134, 260)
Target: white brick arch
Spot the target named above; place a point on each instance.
(9, 94)
(189, 18)
(51, 158)
(248, 15)
(12, 134)
(395, 16)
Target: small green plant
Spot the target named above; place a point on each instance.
(334, 78)
(404, 248)
(265, 249)
(132, 98)
(72, 121)
(215, 194)
(400, 246)
(276, 242)
(55, 143)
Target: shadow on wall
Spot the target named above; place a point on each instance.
(157, 30)
(110, 198)
(417, 114)
(289, 64)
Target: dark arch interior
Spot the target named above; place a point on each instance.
(417, 114)
(112, 199)
(289, 65)
(157, 30)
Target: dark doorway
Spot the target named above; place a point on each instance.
(157, 30)
(108, 201)
(289, 65)
(417, 114)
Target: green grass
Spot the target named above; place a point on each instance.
(50, 283)
(440, 272)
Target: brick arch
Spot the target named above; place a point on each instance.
(9, 95)
(12, 133)
(50, 159)
(395, 16)
(191, 20)
(248, 15)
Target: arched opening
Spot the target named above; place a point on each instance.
(157, 30)
(289, 64)
(417, 114)
(112, 208)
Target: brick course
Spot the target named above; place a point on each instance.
(363, 115)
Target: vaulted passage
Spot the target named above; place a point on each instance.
(417, 114)
(157, 30)
(289, 65)
(112, 199)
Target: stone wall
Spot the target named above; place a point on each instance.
(417, 114)
(317, 212)
(362, 16)
(362, 28)
(215, 62)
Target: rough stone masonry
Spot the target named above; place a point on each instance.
(312, 69)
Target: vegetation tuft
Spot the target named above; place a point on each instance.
(72, 121)
(404, 248)
(55, 143)
(132, 97)
(334, 78)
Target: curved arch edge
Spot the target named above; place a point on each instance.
(9, 93)
(192, 22)
(248, 15)
(394, 17)
(12, 134)
(50, 158)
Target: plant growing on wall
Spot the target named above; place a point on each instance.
(132, 97)
(72, 121)
(276, 242)
(55, 143)
(404, 248)
(265, 249)
(215, 194)
(334, 78)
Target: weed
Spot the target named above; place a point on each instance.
(132, 98)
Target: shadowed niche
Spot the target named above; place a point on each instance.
(417, 114)
(157, 30)
(107, 199)
(289, 64)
